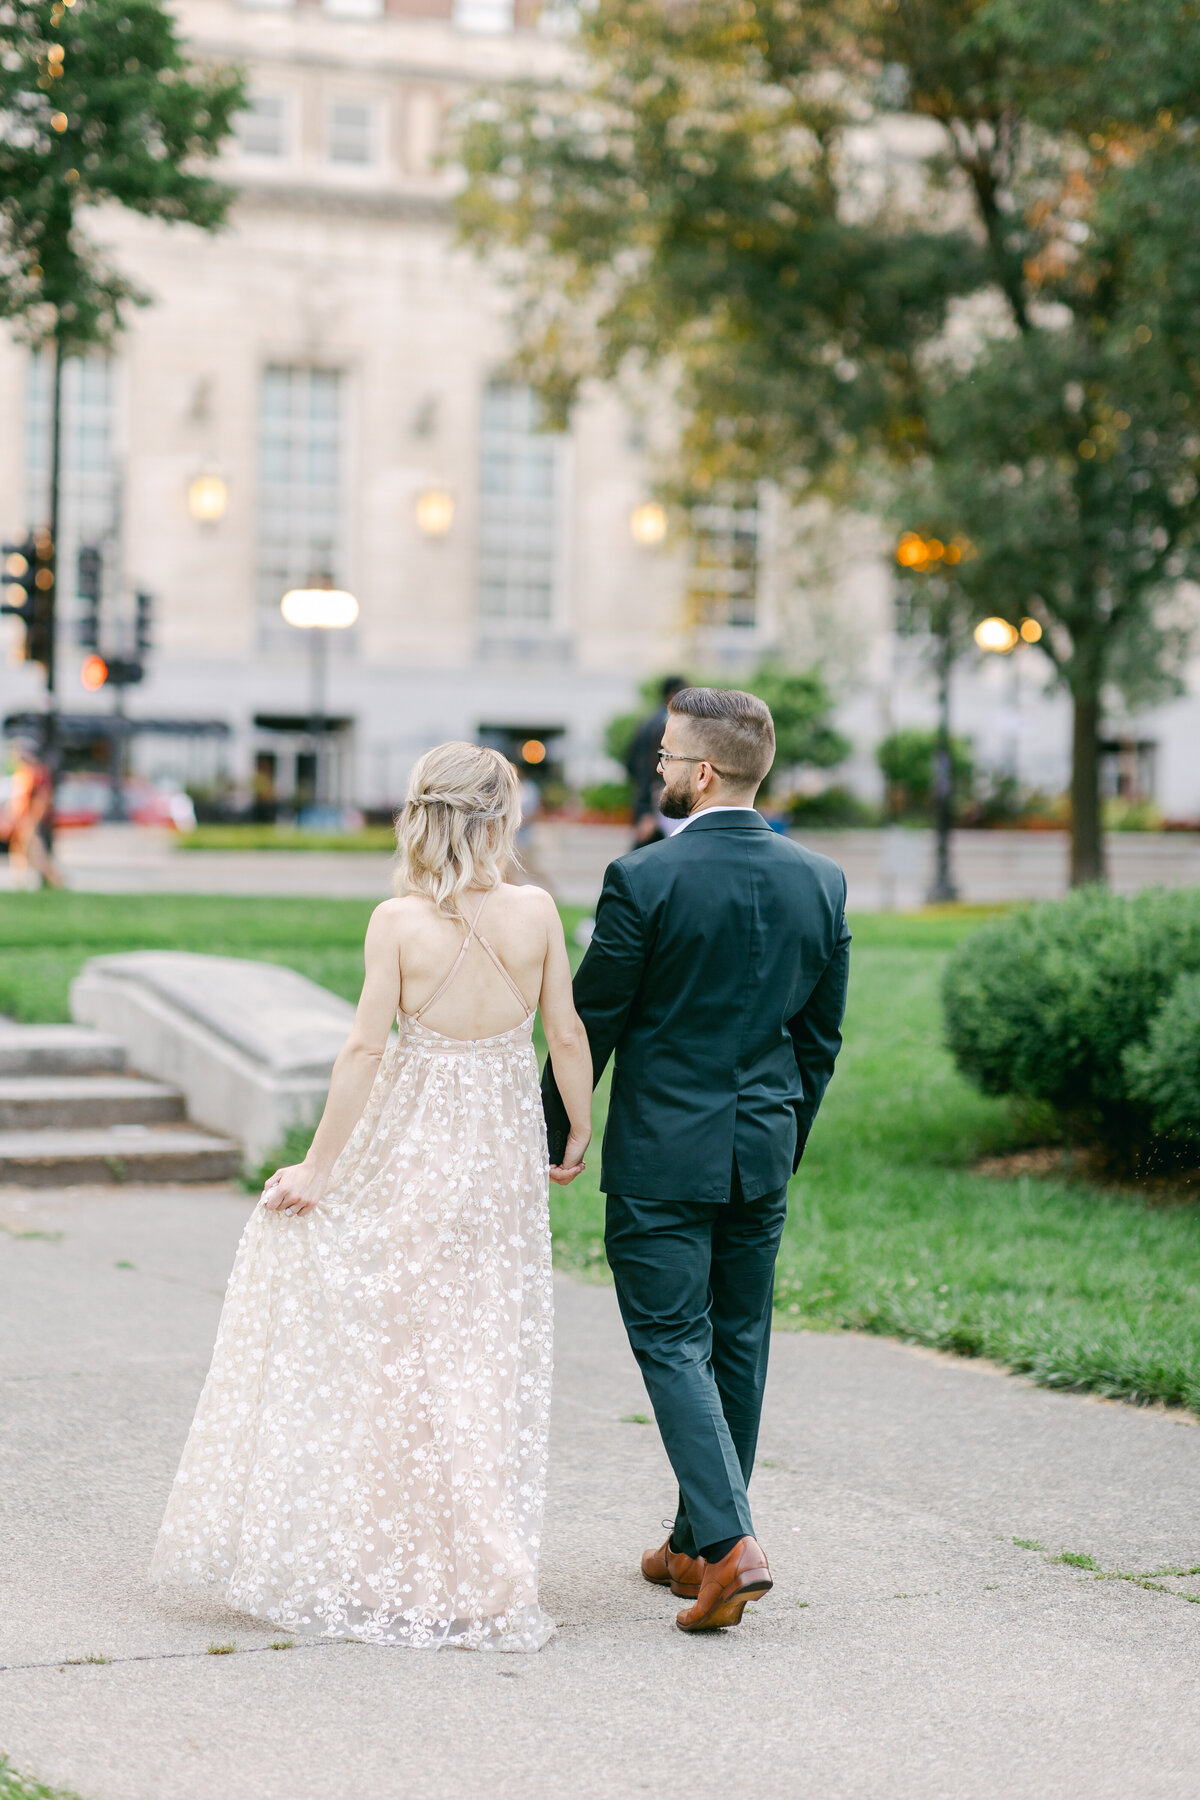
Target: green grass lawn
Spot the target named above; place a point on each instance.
(275, 837)
(890, 1231)
(45, 938)
(15, 1786)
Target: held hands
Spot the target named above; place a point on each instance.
(295, 1190)
(572, 1164)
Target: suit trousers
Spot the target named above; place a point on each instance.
(695, 1282)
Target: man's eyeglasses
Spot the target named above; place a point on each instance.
(670, 756)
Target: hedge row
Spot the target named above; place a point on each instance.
(1091, 1005)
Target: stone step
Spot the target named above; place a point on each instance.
(122, 1153)
(57, 1050)
(73, 1102)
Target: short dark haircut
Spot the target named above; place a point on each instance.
(672, 684)
(735, 731)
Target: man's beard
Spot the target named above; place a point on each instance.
(677, 803)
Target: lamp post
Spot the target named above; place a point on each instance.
(319, 609)
(933, 559)
(997, 637)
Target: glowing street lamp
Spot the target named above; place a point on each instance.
(930, 556)
(319, 610)
(997, 636)
(1000, 638)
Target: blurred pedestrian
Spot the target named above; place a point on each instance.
(526, 869)
(649, 825)
(30, 808)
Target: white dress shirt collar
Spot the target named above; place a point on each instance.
(706, 812)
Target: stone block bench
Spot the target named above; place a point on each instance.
(249, 1045)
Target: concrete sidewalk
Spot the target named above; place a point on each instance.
(910, 1650)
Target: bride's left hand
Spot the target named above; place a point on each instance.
(295, 1190)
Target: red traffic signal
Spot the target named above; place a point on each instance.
(94, 673)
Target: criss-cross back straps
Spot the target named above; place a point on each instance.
(472, 932)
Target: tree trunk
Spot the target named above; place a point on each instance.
(1087, 838)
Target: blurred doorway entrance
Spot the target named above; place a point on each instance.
(286, 766)
(536, 753)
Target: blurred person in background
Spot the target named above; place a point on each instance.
(649, 825)
(29, 811)
(525, 868)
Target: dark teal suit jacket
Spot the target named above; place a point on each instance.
(717, 976)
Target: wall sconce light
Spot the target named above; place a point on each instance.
(208, 497)
(435, 512)
(648, 523)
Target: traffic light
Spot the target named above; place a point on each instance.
(19, 582)
(142, 627)
(89, 573)
(110, 671)
(29, 592)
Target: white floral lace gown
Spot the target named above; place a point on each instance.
(368, 1458)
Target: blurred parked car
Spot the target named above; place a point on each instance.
(87, 800)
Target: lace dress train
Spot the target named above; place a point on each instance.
(368, 1458)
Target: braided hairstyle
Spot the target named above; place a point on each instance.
(457, 828)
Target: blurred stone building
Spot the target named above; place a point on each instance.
(321, 394)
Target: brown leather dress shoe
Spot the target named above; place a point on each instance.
(669, 1568)
(727, 1587)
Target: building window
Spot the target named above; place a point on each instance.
(300, 484)
(1128, 768)
(483, 15)
(351, 133)
(522, 473)
(262, 126)
(722, 583)
(90, 485)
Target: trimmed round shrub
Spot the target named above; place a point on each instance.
(1164, 1072)
(1045, 1002)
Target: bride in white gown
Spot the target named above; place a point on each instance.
(368, 1458)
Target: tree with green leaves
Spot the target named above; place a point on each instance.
(801, 706)
(99, 105)
(907, 759)
(1002, 350)
(1067, 448)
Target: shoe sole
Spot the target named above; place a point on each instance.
(680, 1592)
(729, 1610)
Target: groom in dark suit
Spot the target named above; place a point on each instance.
(717, 977)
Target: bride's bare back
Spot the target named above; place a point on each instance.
(478, 1001)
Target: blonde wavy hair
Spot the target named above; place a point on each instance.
(457, 828)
